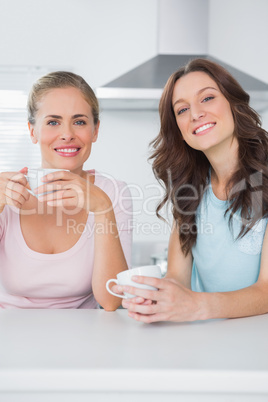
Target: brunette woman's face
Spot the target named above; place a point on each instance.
(64, 129)
(202, 113)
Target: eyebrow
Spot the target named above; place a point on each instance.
(75, 116)
(198, 93)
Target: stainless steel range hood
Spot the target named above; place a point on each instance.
(141, 88)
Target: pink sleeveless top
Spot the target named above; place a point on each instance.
(29, 279)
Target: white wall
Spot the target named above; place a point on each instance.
(99, 39)
(183, 27)
(238, 35)
(122, 149)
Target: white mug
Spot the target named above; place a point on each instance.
(34, 178)
(124, 278)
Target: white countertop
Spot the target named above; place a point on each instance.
(93, 351)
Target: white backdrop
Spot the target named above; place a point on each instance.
(103, 39)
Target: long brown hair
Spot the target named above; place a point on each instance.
(181, 168)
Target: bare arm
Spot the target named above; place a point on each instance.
(179, 266)
(175, 302)
(109, 258)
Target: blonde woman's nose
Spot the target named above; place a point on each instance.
(67, 134)
(67, 137)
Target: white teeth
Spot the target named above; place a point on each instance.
(205, 127)
(67, 150)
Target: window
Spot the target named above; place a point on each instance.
(16, 148)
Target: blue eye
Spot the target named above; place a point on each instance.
(181, 111)
(208, 98)
(80, 123)
(52, 123)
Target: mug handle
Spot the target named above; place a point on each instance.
(110, 291)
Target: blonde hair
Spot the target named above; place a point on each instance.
(60, 79)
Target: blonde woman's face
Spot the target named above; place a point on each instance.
(64, 129)
(202, 113)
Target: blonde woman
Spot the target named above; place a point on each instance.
(58, 250)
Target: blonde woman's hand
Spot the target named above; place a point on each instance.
(73, 191)
(13, 189)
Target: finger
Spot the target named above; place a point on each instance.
(60, 175)
(65, 203)
(16, 191)
(141, 300)
(62, 198)
(15, 199)
(57, 195)
(55, 186)
(18, 178)
(144, 293)
(24, 170)
(146, 302)
(147, 319)
(117, 289)
(136, 300)
(143, 308)
(13, 203)
(147, 280)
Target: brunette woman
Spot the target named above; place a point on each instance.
(211, 155)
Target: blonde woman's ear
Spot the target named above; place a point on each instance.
(96, 132)
(32, 133)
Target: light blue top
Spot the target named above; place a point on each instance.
(220, 262)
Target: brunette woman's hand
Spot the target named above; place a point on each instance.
(171, 302)
(72, 191)
(13, 189)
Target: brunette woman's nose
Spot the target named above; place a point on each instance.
(197, 114)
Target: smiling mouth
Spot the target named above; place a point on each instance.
(203, 128)
(67, 150)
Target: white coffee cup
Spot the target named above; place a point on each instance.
(34, 177)
(124, 278)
